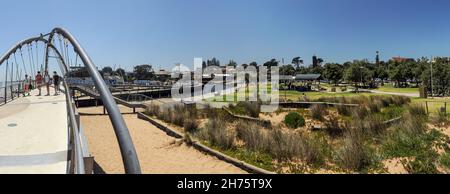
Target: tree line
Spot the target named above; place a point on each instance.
(402, 74)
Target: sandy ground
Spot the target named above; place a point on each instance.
(157, 152)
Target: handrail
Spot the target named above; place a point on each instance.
(129, 155)
(78, 161)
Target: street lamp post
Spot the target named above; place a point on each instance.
(431, 72)
(362, 82)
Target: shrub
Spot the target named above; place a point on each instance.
(318, 112)
(360, 112)
(374, 125)
(190, 125)
(344, 110)
(253, 136)
(333, 128)
(252, 109)
(442, 118)
(311, 150)
(354, 154)
(445, 160)
(375, 106)
(209, 112)
(165, 115)
(425, 163)
(283, 146)
(178, 118)
(400, 100)
(387, 101)
(294, 120)
(152, 110)
(413, 124)
(417, 110)
(216, 133)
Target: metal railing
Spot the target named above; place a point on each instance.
(10, 92)
(77, 162)
(129, 155)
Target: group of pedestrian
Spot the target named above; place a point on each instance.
(42, 81)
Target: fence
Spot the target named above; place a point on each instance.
(10, 92)
(435, 107)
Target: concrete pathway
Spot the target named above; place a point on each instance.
(34, 135)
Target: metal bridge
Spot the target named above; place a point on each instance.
(43, 134)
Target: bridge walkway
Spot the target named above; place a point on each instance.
(34, 136)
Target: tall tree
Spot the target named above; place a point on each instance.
(144, 72)
(232, 63)
(333, 72)
(297, 61)
(357, 72)
(213, 62)
(271, 63)
(287, 70)
(107, 70)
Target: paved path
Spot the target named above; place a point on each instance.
(34, 135)
(413, 95)
(158, 153)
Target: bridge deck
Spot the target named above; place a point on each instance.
(34, 135)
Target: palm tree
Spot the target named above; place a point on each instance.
(297, 61)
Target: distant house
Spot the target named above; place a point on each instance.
(148, 83)
(402, 59)
(308, 77)
(114, 80)
(162, 73)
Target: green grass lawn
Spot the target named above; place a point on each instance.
(295, 95)
(390, 88)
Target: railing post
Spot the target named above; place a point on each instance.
(6, 84)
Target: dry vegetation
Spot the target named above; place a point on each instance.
(349, 140)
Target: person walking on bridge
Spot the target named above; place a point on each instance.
(26, 86)
(47, 82)
(56, 82)
(39, 80)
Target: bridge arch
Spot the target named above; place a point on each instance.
(128, 152)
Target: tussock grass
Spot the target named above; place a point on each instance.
(152, 110)
(216, 133)
(333, 128)
(253, 136)
(374, 125)
(354, 155)
(441, 119)
(251, 109)
(318, 112)
(417, 110)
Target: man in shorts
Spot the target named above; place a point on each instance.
(56, 82)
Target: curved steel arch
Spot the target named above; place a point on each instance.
(20, 45)
(129, 155)
(80, 167)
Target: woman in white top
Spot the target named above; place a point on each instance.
(47, 82)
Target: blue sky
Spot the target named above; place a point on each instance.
(165, 32)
